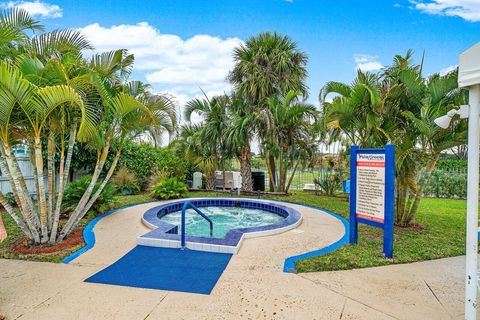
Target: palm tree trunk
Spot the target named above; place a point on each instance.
(23, 185)
(29, 215)
(20, 223)
(272, 170)
(210, 180)
(86, 196)
(271, 174)
(3, 231)
(246, 168)
(418, 196)
(63, 179)
(99, 190)
(51, 178)
(42, 202)
(292, 175)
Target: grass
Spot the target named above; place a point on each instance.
(439, 233)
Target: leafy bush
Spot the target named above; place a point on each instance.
(451, 164)
(141, 158)
(156, 178)
(329, 183)
(145, 160)
(76, 189)
(11, 199)
(445, 184)
(126, 181)
(170, 188)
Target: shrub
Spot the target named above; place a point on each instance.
(157, 177)
(329, 183)
(170, 188)
(145, 160)
(445, 184)
(76, 189)
(126, 181)
(11, 199)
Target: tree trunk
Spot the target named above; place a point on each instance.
(28, 214)
(21, 224)
(41, 189)
(210, 181)
(63, 179)
(51, 178)
(246, 168)
(272, 170)
(99, 190)
(292, 175)
(3, 231)
(86, 196)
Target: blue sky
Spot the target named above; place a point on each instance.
(184, 45)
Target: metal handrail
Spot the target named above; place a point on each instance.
(184, 208)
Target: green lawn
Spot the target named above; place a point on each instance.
(442, 234)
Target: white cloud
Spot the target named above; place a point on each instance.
(367, 62)
(35, 8)
(170, 63)
(465, 9)
(447, 70)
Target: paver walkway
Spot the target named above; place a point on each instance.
(253, 285)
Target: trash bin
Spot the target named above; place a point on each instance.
(258, 178)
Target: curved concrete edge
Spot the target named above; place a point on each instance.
(89, 235)
(289, 264)
(232, 241)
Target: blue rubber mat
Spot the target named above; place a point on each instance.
(165, 269)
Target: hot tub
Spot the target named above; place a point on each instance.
(233, 220)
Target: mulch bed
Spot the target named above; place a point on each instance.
(20, 246)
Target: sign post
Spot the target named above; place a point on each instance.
(372, 189)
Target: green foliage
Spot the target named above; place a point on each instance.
(76, 189)
(145, 160)
(446, 184)
(170, 188)
(329, 183)
(451, 164)
(11, 199)
(126, 181)
(141, 158)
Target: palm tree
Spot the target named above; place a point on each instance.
(398, 106)
(239, 135)
(213, 130)
(289, 131)
(268, 65)
(356, 109)
(50, 95)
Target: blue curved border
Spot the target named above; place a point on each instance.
(289, 264)
(89, 235)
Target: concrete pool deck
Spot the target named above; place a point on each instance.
(253, 285)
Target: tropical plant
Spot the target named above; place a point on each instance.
(50, 98)
(76, 189)
(398, 106)
(288, 135)
(329, 183)
(267, 65)
(207, 140)
(126, 181)
(171, 188)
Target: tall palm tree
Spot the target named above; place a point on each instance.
(240, 133)
(290, 125)
(268, 64)
(213, 130)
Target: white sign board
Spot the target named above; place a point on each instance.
(370, 204)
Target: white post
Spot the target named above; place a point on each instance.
(471, 277)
